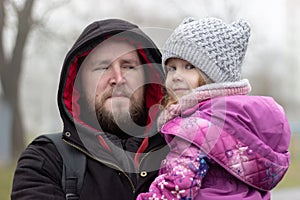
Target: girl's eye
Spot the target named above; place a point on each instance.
(190, 67)
(170, 68)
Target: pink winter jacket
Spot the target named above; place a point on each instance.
(245, 138)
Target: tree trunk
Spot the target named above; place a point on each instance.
(11, 68)
(18, 133)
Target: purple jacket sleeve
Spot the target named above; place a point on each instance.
(181, 173)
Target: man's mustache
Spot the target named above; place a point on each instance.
(116, 92)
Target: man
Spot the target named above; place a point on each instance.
(109, 92)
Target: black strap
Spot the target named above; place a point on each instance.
(74, 163)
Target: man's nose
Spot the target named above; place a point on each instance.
(116, 75)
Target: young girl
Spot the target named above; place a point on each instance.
(224, 143)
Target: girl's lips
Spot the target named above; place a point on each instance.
(180, 89)
(179, 92)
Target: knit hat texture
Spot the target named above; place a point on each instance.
(213, 46)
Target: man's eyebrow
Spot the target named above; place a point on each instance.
(131, 61)
(108, 62)
(102, 62)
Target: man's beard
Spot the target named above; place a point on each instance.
(123, 123)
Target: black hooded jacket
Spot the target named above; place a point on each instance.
(116, 168)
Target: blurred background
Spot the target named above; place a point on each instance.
(35, 36)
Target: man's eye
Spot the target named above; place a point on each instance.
(129, 67)
(101, 68)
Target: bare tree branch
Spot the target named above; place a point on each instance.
(44, 18)
(24, 24)
(55, 6)
(15, 7)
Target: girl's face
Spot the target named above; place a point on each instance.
(182, 77)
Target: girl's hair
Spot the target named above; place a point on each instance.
(168, 99)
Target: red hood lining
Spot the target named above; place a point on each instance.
(153, 92)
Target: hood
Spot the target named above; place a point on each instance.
(68, 95)
(251, 119)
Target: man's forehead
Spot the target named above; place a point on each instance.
(111, 50)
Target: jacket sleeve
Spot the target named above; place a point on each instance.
(181, 173)
(38, 173)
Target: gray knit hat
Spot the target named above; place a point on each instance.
(216, 48)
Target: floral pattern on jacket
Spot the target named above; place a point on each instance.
(181, 174)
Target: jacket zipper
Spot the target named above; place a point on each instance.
(102, 161)
(143, 158)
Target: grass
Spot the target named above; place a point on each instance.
(291, 179)
(6, 178)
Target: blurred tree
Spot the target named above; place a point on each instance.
(17, 15)
(11, 64)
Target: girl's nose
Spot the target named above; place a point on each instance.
(177, 76)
